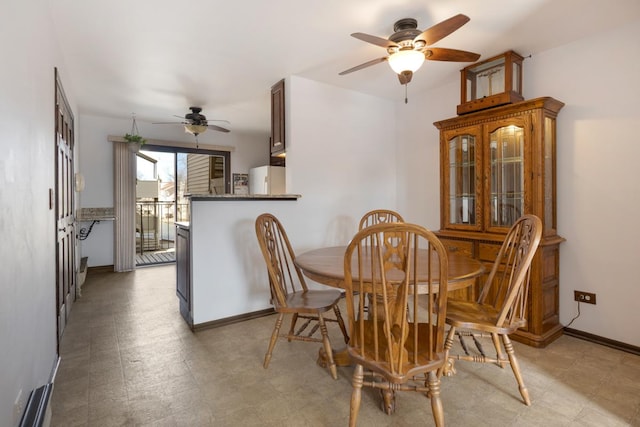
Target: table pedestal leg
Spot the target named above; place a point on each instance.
(388, 403)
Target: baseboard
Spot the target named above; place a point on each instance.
(232, 319)
(603, 341)
(101, 269)
(54, 369)
(538, 341)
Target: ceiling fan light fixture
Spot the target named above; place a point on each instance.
(195, 129)
(406, 60)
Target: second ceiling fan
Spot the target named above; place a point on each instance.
(196, 123)
(408, 47)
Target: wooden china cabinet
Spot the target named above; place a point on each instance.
(496, 165)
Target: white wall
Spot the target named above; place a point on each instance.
(27, 277)
(340, 156)
(96, 164)
(419, 152)
(598, 192)
(598, 178)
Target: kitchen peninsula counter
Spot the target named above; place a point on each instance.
(242, 197)
(224, 278)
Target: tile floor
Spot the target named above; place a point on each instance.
(128, 359)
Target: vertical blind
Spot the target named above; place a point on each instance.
(124, 195)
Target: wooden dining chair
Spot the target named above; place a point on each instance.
(379, 216)
(290, 295)
(502, 305)
(396, 348)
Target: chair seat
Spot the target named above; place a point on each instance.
(310, 301)
(471, 315)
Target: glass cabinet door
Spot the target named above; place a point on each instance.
(462, 188)
(506, 175)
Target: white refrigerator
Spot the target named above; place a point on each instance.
(267, 180)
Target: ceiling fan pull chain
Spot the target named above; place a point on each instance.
(134, 126)
(405, 94)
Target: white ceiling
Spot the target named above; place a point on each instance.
(158, 57)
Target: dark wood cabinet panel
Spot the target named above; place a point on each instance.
(496, 165)
(277, 119)
(183, 272)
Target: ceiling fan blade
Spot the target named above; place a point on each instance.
(442, 30)
(219, 120)
(167, 123)
(218, 128)
(365, 65)
(444, 54)
(378, 41)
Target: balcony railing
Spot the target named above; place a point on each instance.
(155, 224)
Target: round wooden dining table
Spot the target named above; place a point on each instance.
(326, 266)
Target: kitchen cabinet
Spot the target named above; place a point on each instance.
(277, 119)
(496, 165)
(183, 271)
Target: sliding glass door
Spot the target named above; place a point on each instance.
(165, 176)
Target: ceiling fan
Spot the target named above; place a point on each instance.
(196, 123)
(408, 47)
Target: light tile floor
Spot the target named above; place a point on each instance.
(128, 359)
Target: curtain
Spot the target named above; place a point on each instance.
(124, 201)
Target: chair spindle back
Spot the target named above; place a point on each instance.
(399, 270)
(507, 285)
(284, 276)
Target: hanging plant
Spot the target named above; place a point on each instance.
(136, 140)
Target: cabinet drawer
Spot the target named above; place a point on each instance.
(460, 246)
(489, 251)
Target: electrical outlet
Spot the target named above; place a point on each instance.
(18, 408)
(582, 296)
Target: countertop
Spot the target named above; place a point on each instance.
(95, 214)
(244, 197)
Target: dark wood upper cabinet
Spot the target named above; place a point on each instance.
(277, 119)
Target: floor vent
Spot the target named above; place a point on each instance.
(36, 413)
